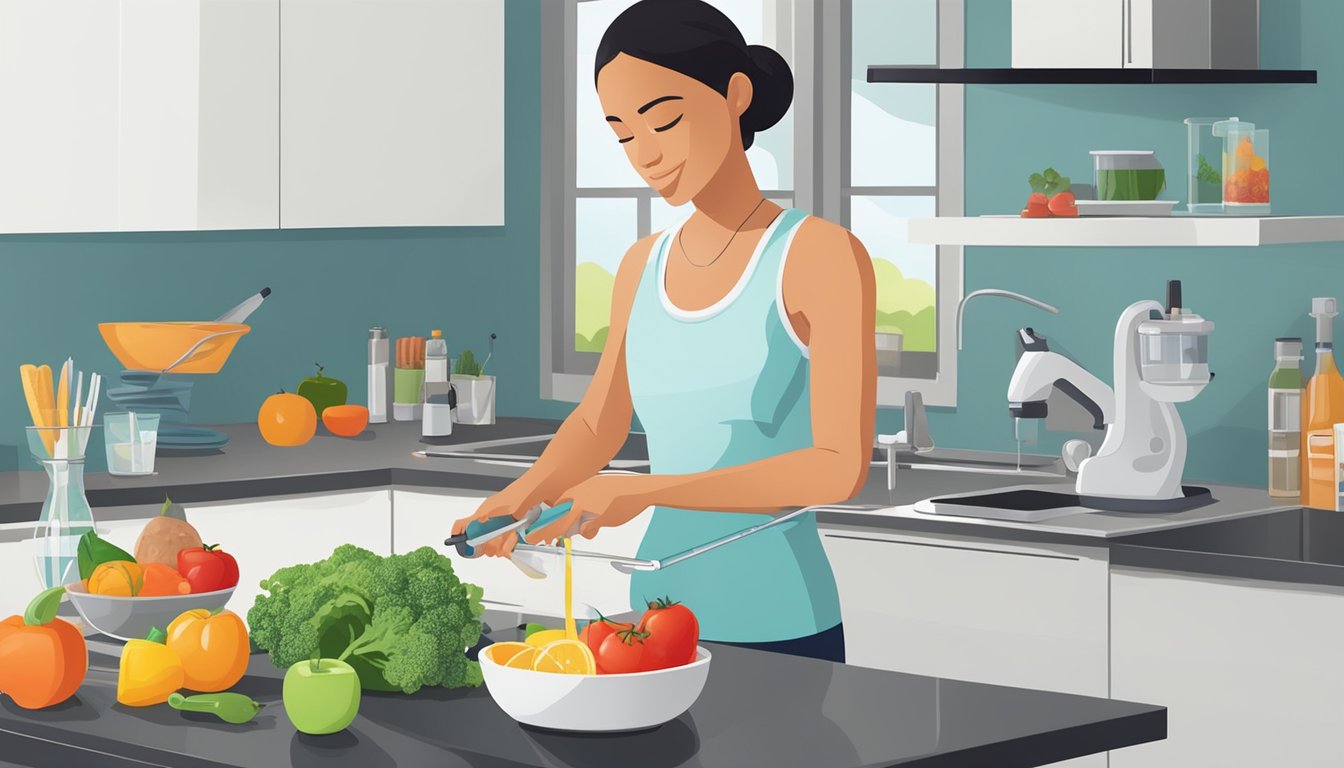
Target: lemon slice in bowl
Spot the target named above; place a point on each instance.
(500, 653)
(524, 659)
(566, 657)
(544, 637)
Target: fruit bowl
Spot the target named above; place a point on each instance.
(175, 347)
(131, 618)
(584, 702)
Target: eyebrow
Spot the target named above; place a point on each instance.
(646, 107)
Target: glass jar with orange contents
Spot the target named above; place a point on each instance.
(1245, 168)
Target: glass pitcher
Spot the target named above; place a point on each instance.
(1204, 175)
(66, 515)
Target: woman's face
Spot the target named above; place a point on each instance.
(675, 129)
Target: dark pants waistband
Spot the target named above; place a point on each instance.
(827, 645)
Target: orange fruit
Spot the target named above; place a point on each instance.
(523, 659)
(287, 420)
(116, 578)
(345, 420)
(566, 657)
(500, 653)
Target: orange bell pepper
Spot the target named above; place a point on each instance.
(213, 648)
(149, 671)
(43, 659)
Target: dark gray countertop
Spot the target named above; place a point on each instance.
(757, 708)
(384, 456)
(1299, 546)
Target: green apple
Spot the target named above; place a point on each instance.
(321, 696)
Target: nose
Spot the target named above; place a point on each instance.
(649, 154)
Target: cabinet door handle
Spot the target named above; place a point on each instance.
(1129, 31)
(950, 546)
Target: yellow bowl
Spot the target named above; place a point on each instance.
(172, 347)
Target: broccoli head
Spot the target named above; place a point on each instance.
(403, 622)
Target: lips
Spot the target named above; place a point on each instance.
(661, 176)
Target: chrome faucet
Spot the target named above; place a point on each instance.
(915, 438)
(961, 306)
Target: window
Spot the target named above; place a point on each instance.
(866, 155)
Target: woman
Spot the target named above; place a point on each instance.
(743, 339)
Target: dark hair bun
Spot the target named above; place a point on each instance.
(696, 39)
(772, 89)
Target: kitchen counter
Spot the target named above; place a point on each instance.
(826, 715)
(1300, 546)
(248, 468)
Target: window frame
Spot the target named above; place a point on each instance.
(820, 175)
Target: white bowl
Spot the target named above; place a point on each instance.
(131, 618)
(584, 702)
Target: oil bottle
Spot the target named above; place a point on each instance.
(1322, 408)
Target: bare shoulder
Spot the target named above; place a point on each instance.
(632, 263)
(827, 251)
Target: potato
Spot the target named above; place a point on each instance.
(162, 538)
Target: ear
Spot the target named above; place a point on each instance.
(739, 94)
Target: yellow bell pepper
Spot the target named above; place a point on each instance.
(149, 671)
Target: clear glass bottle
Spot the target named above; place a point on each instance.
(66, 515)
(1285, 420)
(1322, 408)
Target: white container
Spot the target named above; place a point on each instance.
(380, 375)
(475, 399)
(596, 703)
(436, 358)
(1119, 34)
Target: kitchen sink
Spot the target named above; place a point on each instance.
(1034, 504)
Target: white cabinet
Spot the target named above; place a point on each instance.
(139, 115)
(1029, 616)
(392, 113)
(1251, 672)
(421, 519)
(58, 98)
(18, 574)
(1113, 34)
(264, 536)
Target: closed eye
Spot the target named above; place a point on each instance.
(626, 139)
(670, 125)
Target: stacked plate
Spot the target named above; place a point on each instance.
(170, 397)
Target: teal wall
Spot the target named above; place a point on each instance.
(1251, 294)
(331, 285)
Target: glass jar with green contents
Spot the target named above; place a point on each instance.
(1127, 174)
(1203, 167)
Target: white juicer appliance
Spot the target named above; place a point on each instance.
(1161, 358)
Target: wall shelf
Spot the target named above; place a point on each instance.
(880, 73)
(1166, 231)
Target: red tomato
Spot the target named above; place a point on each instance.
(600, 630)
(208, 568)
(621, 653)
(1063, 204)
(673, 632)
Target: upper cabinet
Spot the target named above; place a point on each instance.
(138, 115)
(391, 113)
(135, 115)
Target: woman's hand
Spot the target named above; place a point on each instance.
(601, 501)
(513, 501)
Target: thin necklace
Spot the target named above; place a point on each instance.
(725, 245)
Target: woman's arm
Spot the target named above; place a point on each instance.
(596, 428)
(830, 294)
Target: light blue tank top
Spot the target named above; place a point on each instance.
(719, 387)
